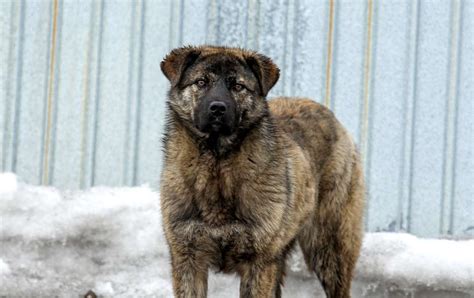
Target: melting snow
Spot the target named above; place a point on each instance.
(110, 240)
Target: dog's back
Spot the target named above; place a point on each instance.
(311, 125)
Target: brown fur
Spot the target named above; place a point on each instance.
(90, 294)
(288, 173)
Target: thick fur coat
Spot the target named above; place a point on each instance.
(246, 179)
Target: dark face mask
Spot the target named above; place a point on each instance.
(216, 112)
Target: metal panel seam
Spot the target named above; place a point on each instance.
(413, 117)
(97, 93)
(19, 76)
(329, 57)
(138, 106)
(366, 96)
(49, 102)
(86, 100)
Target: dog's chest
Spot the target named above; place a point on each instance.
(216, 195)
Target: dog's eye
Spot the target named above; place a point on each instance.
(201, 83)
(238, 87)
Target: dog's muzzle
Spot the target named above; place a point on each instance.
(217, 117)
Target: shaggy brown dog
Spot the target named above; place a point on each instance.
(245, 179)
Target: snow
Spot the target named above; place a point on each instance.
(8, 184)
(408, 261)
(4, 268)
(110, 240)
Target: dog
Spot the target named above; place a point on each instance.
(245, 179)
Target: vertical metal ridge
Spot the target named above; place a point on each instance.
(7, 136)
(206, 38)
(219, 22)
(97, 94)
(447, 197)
(413, 117)
(130, 81)
(19, 76)
(407, 118)
(57, 80)
(296, 12)
(367, 80)
(332, 98)
(253, 17)
(371, 100)
(135, 68)
(176, 23)
(49, 102)
(247, 17)
(138, 106)
(295, 47)
(324, 40)
(210, 22)
(285, 46)
(366, 95)
(171, 27)
(181, 22)
(46, 93)
(257, 27)
(86, 100)
(462, 18)
(329, 54)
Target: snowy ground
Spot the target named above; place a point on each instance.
(63, 243)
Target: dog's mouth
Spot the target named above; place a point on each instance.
(217, 127)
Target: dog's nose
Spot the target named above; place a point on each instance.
(217, 108)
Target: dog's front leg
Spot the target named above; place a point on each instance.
(257, 280)
(189, 276)
(191, 255)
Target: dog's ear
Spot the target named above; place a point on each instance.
(265, 70)
(176, 62)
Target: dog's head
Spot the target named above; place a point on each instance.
(217, 91)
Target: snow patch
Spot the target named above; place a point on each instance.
(110, 240)
(410, 261)
(104, 288)
(4, 268)
(8, 184)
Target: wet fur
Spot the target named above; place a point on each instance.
(289, 173)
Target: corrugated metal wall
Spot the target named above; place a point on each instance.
(82, 94)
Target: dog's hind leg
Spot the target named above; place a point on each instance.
(279, 278)
(331, 240)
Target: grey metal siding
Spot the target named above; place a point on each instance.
(82, 97)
